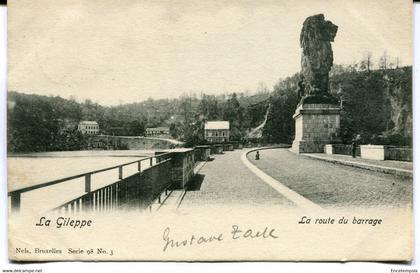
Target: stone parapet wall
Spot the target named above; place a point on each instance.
(202, 153)
(217, 149)
(228, 147)
(377, 152)
(383, 152)
(342, 149)
(153, 181)
(183, 164)
(399, 153)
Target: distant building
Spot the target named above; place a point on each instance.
(216, 131)
(88, 127)
(157, 131)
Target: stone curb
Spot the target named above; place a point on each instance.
(370, 167)
(292, 196)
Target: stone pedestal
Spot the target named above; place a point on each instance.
(202, 153)
(217, 149)
(329, 149)
(316, 124)
(376, 152)
(182, 167)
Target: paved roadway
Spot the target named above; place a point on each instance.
(328, 184)
(226, 181)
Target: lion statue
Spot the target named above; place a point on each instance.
(317, 55)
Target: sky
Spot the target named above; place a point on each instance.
(126, 51)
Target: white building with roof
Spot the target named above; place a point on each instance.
(216, 131)
(88, 127)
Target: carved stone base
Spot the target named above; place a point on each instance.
(302, 146)
(315, 126)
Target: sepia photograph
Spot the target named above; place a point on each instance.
(270, 130)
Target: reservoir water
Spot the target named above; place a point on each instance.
(36, 168)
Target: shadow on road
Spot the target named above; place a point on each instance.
(195, 183)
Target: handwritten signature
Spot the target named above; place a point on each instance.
(236, 233)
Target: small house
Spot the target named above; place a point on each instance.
(216, 131)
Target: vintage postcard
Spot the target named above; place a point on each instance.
(273, 130)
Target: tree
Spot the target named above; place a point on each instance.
(209, 107)
(135, 128)
(233, 112)
(383, 61)
(397, 62)
(366, 64)
(262, 87)
(279, 127)
(33, 124)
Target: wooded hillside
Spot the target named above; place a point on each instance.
(377, 104)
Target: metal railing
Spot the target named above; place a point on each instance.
(107, 197)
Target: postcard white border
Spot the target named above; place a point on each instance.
(199, 267)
